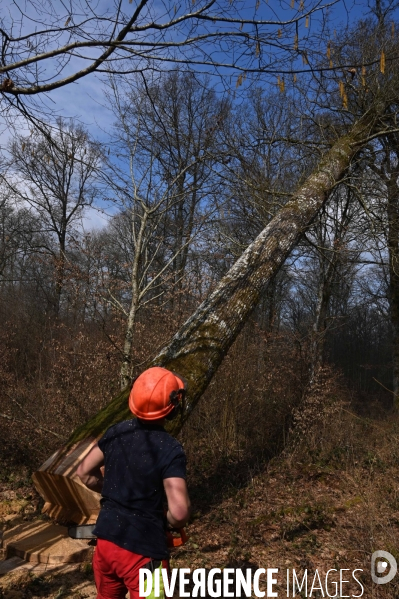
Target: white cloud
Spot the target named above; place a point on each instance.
(94, 219)
(87, 103)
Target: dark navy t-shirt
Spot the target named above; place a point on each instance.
(138, 456)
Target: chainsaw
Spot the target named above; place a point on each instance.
(175, 537)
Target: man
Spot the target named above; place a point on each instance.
(141, 461)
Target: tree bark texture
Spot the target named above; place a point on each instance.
(198, 348)
(393, 253)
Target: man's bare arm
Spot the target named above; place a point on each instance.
(178, 501)
(89, 471)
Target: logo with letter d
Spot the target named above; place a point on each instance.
(380, 560)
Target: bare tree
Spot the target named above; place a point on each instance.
(161, 178)
(52, 44)
(181, 126)
(357, 89)
(379, 191)
(268, 150)
(21, 239)
(328, 259)
(56, 171)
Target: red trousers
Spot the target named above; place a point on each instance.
(116, 571)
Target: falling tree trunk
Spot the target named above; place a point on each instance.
(197, 350)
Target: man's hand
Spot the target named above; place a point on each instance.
(90, 471)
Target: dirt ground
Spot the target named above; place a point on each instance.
(296, 514)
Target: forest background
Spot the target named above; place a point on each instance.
(187, 161)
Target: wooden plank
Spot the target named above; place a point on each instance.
(45, 543)
(67, 499)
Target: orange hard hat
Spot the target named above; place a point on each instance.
(155, 393)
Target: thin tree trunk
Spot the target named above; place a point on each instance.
(126, 366)
(389, 173)
(393, 252)
(271, 309)
(197, 350)
(328, 271)
(59, 279)
(320, 326)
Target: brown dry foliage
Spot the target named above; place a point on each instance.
(281, 474)
(328, 500)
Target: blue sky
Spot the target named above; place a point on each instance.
(85, 99)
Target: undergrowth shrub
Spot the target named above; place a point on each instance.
(245, 414)
(55, 375)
